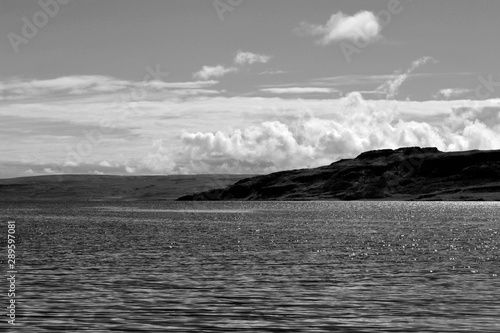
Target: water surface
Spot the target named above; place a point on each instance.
(257, 266)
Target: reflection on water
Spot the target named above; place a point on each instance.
(258, 267)
(179, 210)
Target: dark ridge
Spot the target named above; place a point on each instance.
(411, 173)
(372, 154)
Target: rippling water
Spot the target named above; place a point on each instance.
(258, 267)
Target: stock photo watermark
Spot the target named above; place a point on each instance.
(224, 6)
(31, 27)
(486, 87)
(96, 137)
(11, 272)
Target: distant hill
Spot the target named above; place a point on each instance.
(109, 188)
(403, 174)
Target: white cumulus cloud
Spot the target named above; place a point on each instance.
(312, 141)
(363, 26)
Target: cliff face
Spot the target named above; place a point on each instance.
(403, 174)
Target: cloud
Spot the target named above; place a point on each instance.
(249, 58)
(25, 128)
(241, 59)
(49, 171)
(363, 80)
(452, 93)
(272, 72)
(105, 164)
(257, 134)
(363, 26)
(218, 71)
(119, 168)
(15, 89)
(130, 169)
(29, 172)
(465, 116)
(159, 159)
(196, 92)
(69, 85)
(311, 141)
(352, 80)
(178, 85)
(299, 90)
(391, 87)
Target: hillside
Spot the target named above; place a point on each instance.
(403, 174)
(106, 188)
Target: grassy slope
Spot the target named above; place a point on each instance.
(95, 187)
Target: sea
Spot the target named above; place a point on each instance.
(255, 266)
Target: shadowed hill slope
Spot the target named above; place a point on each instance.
(95, 187)
(403, 174)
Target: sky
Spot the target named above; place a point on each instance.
(240, 86)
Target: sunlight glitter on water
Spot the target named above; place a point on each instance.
(144, 210)
(260, 267)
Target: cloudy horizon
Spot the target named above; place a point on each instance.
(240, 86)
